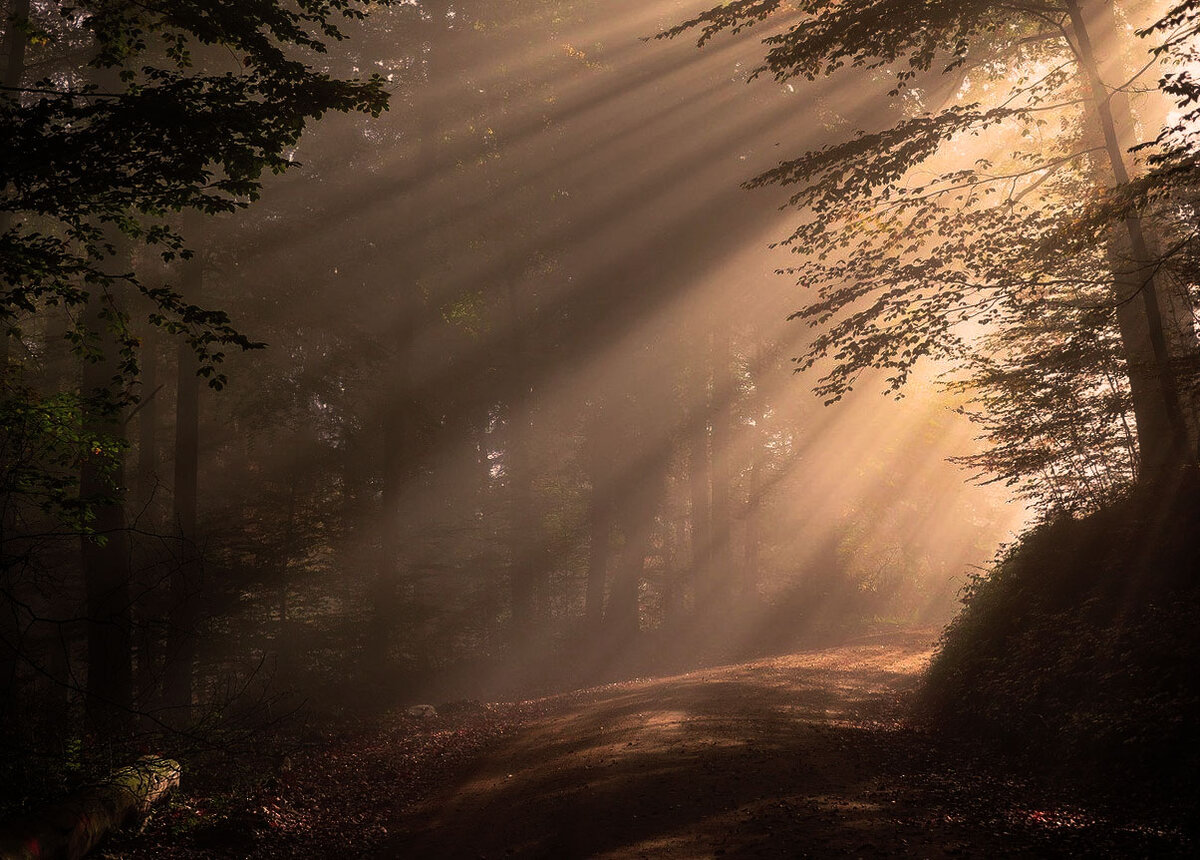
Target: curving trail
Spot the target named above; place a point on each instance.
(796, 756)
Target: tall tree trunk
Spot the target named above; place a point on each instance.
(1163, 433)
(147, 463)
(285, 557)
(399, 441)
(148, 645)
(355, 482)
(646, 455)
(185, 578)
(402, 412)
(524, 545)
(622, 617)
(699, 480)
(673, 520)
(600, 522)
(757, 440)
(527, 573)
(724, 576)
(11, 73)
(105, 553)
(15, 45)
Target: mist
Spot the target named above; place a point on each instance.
(528, 349)
(492, 377)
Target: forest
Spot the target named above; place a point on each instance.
(564, 428)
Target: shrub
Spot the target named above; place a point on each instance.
(1082, 645)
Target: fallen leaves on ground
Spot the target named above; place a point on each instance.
(337, 795)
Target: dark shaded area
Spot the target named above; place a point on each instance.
(1078, 654)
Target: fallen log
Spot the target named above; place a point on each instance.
(69, 829)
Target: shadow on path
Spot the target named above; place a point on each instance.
(796, 756)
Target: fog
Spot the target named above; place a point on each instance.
(577, 428)
(529, 406)
(519, 406)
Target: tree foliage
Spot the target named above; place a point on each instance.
(181, 106)
(127, 117)
(979, 231)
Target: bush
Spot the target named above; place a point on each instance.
(1081, 648)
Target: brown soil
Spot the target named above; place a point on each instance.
(797, 756)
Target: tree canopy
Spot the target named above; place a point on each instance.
(175, 107)
(1009, 190)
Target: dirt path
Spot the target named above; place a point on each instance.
(798, 756)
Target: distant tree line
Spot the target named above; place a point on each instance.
(121, 125)
(514, 411)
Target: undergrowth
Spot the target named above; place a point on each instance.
(1079, 652)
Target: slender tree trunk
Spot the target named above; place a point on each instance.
(699, 481)
(672, 591)
(14, 46)
(105, 554)
(11, 73)
(147, 464)
(287, 648)
(56, 704)
(285, 557)
(622, 616)
(355, 472)
(1163, 433)
(599, 552)
(757, 440)
(524, 567)
(640, 499)
(12, 644)
(401, 414)
(724, 575)
(185, 578)
(527, 572)
(10, 623)
(10, 627)
(399, 435)
(600, 523)
(148, 644)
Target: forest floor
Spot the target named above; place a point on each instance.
(806, 755)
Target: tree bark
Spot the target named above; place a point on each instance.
(754, 481)
(1163, 433)
(105, 553)
(12, 71)
(185, 578)
(699, 478)
(723, 574)
(14, 47)
(623, 615)
(600, 523)
(527, 573)
(68, 830)
(147, 463)
(401, 414)
(148, 645)
(11, 74)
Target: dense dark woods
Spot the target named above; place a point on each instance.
(361, 355)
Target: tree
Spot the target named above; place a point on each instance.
(163, 137)
(1059, 461)
(911, 257)
(172, 108)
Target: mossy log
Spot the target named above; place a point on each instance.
(68, 830)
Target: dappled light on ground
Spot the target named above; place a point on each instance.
(800, 755)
